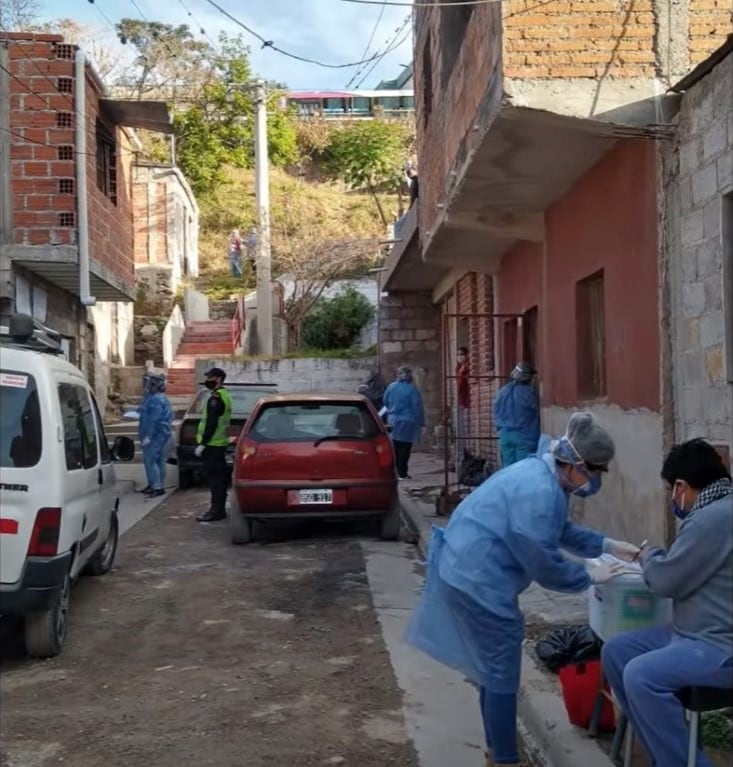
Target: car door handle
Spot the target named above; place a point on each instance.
(100, 477)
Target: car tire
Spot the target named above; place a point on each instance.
(391, 523)
(45, 631)
(241, 529)
(185, 479)
(104, 558)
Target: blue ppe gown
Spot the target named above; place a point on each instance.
(405, 412)
(517, 418)
(504, 535)
(156, 418)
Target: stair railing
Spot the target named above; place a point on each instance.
(238, 323)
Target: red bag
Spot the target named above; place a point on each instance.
(581, 684)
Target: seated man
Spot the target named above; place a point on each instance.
(645, 668)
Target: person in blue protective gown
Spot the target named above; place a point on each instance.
(506, 534)
(645, 668)
(154, 429)
(517, 415)
(406, 416)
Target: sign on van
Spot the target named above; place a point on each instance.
(13, 380)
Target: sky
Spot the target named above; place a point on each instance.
(331, 31)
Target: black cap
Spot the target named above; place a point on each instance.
(216, 373)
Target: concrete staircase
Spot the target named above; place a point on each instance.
(200, 340)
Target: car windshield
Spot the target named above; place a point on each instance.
(20, 426)
(243, 400)
(311, 421)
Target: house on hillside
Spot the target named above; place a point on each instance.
(166, 224)
(66, 234)
(537, 232)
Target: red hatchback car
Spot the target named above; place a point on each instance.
(303, 456)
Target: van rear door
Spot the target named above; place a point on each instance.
(21, 481)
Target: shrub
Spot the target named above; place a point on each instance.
(335, 323)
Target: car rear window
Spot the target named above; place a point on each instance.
(307, 421)
(21, 435)
(243, 400)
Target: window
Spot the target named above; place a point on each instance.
(80, 434)
(21, 436)
(427, 79)
(530, 321)
(106, 162)
(243, 400)
(105, 455)
(309, 421)
(510, 336)
(591, 337)
(453, 30)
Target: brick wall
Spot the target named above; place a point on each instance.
(710, 21)
(43, 173)
(582, 38)
(699, 172)
(409, 334)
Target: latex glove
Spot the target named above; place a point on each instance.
(629, 552)
(605, 572)
(199, 451)
(145, 442)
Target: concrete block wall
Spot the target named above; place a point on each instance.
(43, 170)
(699, 172)
(299, 374)
(409, 334)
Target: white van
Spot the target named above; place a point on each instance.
(58, 495)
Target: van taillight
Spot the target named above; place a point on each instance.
(45, 536)
(385, 454)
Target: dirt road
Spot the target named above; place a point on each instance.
(195, 652)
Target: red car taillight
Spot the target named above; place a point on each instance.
(385, 455)
(247, 450)
(233, 432)
(188, 433)
(45, 535)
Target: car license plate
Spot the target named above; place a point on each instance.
(315, 496)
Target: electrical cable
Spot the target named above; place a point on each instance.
(271, 44)
(368, 45)
(398, 31)
(200, 26)
(438, 4)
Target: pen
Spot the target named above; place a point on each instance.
(644, 543)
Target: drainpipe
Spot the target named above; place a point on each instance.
(81, 180)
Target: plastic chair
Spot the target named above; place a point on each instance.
(696, 700)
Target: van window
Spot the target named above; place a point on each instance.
(104, 453)
(80, 434)
(21, 436)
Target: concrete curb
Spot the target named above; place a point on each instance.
(549, 738)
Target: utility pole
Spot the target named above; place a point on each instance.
(262, 195)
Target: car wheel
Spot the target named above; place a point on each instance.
(45, 631)
(241, 529)
(391, 523)
(102, 561)
(185, 479)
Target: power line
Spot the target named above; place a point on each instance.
(200, 26)
(270, 44)
(438, 4)
(369, 44)
(398, 31)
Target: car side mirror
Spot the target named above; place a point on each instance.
(123, 449)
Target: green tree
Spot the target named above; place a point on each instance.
(168, 59)
(335, 323)
(370, 154)
(218, 128)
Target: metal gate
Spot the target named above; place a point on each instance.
(469, 434)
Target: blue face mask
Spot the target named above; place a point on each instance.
(591, 487)
(677, 509)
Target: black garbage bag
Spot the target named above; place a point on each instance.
(566, 645)
(473, 470)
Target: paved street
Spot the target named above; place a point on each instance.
(194, 651)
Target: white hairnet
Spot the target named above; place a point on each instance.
(590, 440)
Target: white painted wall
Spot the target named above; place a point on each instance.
(113, 343)
(307, 374)
(632, 503)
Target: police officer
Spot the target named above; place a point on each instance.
(212, 440)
